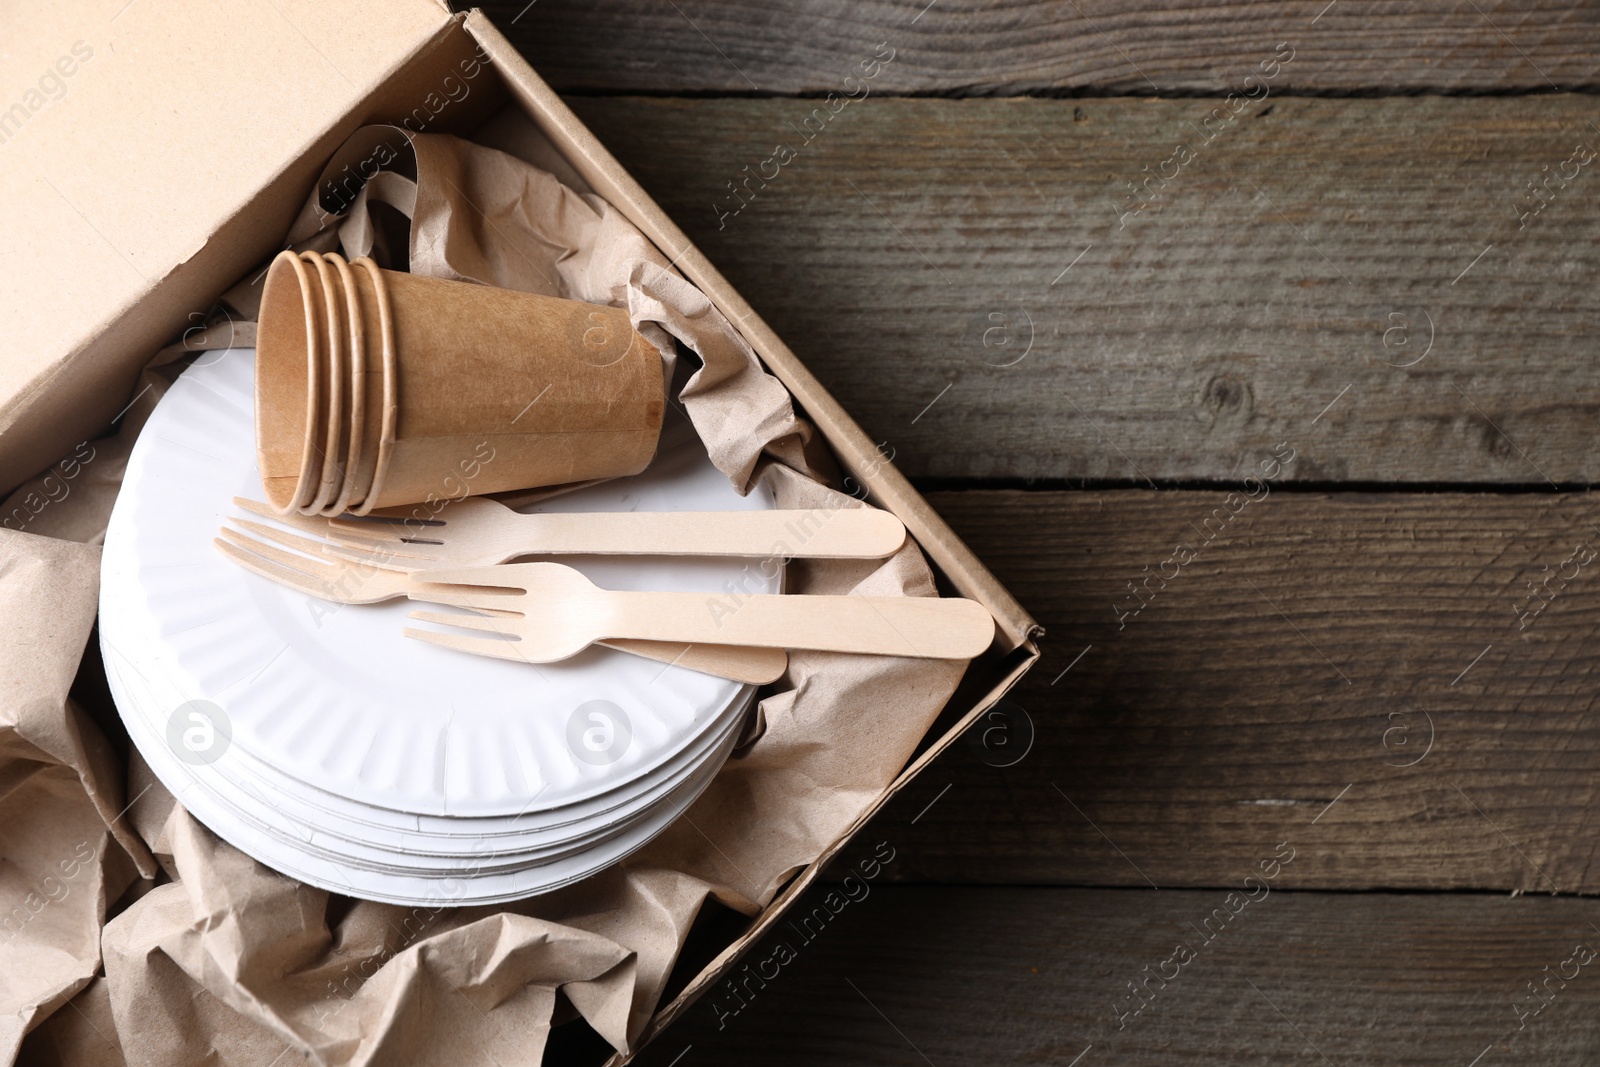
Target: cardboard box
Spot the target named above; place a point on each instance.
(239, 107)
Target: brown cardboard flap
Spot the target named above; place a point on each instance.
(102, 261)
(855, 449)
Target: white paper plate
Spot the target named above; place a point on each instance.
(335, 697)
(281, 810)
(469, 882)
(286, 843)
(530, 832)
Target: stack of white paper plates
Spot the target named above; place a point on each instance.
(319, 740)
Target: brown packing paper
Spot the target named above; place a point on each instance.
(408, 985)
(82, 1036)
(60, 787)
(232, 963)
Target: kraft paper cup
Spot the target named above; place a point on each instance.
(464, 389)
(378, 433)
(289, 408)
(498, 390)
(316, 377)
(356, 409)
(334, 372)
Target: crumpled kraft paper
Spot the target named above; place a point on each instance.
(67, 847)
(217, 959)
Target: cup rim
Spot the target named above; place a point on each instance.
(356, 411)
(316, 408)
(386, 434)
(330, 477)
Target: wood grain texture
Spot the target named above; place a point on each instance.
(1306, 654)
(956, 274)
(982, 976)
(1088, 46)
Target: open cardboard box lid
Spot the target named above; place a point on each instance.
(144, 152)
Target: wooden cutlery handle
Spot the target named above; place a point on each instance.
(842, 533)
(926, 627)
(753, 666)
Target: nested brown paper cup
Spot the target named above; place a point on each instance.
(289, 400)
(499, 390)
(335, 380)
(446, 389)
(362, 377)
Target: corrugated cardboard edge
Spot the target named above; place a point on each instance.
(854, 448)
(1012, 668)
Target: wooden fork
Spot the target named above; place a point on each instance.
(545, 612)
(309, 570)
(477, 531)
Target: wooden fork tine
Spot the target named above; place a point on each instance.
(377, 558)
(324, 573)
(274, 572)
(499, 577)
(282, 537)
(254, 505)
(296, 571)
(449, 596)
(307, 523)
(348, 531)
(478, 646)
(376, 525)
(398, 513)
(476, 597)
(382, 555)
(487, 624)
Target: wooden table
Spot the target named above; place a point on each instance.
(1277, 410)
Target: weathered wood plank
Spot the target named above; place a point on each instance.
(1305, 655)
(982, 976)
(963, 47)
(1272, 291)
